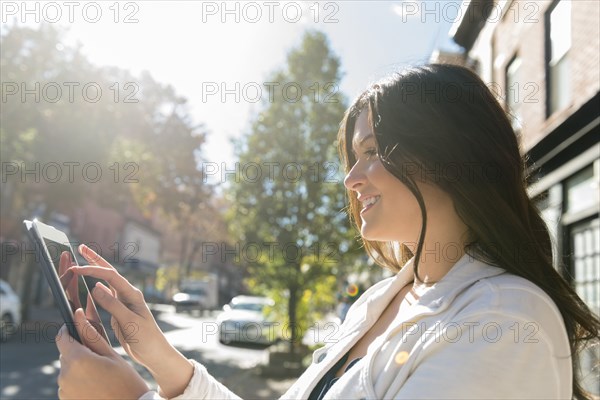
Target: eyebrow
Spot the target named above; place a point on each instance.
(361, 141)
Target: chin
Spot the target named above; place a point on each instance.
(372, 234)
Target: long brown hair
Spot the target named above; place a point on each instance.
(441, 124)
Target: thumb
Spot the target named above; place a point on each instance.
(90, 336)
(104, 297)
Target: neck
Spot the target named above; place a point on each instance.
(438, 256)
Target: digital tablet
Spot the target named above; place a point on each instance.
(70, 291)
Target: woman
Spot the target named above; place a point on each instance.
(476, 310)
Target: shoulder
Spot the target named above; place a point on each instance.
(513, 301)
(482, 319)
(510, 294)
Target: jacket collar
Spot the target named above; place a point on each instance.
(464, 273)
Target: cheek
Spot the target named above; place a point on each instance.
(379, 175)
(400, 202)
(389, 185)
(404, 207)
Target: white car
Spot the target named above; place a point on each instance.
(244, 320)
(10, 311)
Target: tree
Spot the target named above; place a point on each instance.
(287, 205)
(136, 130)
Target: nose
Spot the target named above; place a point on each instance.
(355, 177)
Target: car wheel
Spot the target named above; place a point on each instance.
(5, 326)
(224, 339)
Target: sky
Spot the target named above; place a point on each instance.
(206, 48)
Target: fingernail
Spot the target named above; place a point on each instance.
(98, 292)
(78, 313)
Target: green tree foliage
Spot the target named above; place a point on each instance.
(136, 132)
(288, 198)
(137, 123)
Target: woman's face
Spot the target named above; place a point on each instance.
(389, 211)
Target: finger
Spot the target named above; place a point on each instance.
(90, 311)
(68, 281)
(65, 343)
(64, 263)
(90, 336)
(110, 275)
(72, 289)
(114, 324)
(65, 278)
(93, 258)
(106, 300)
(121, 337)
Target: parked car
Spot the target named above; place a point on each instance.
(190, 298)
(152, 295)
(10, 311)
(245, 319)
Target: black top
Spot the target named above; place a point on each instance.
(329, 379)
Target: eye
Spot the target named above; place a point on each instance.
(370, 152)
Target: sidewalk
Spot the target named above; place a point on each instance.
(249, 384)
(246, 383)
(42, 315)
(45, 313)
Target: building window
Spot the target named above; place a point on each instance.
(585, 242)
(558, 34)
(582, 190)
(583, 252)
(513, 102)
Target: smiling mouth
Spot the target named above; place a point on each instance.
(368, 203)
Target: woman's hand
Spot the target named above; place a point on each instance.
(94, 371)
(70, 284)
(135, 326)
(131, 320)
(68, 280)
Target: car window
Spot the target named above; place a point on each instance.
(197, 291)
(248, 306)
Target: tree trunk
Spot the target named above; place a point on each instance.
(292, 306)
(191, 257)
(182, 255)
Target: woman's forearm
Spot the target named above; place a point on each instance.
(171, 371)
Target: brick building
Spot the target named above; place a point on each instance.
(542, 58)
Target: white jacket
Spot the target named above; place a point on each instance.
(479, 333)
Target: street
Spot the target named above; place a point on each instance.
(29, 363)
